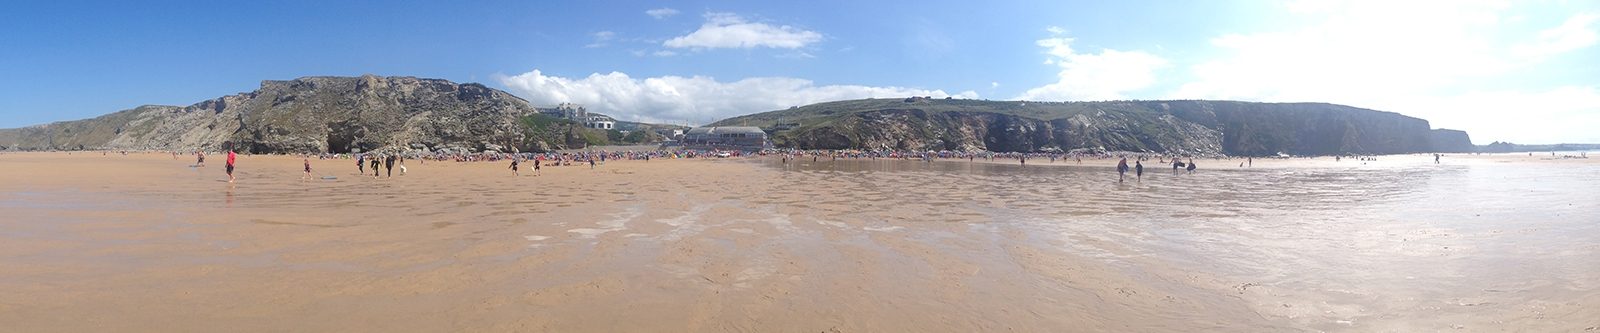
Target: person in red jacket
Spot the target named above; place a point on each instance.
(231, 156)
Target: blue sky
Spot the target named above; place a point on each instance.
(1521, 71)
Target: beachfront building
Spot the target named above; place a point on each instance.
(726, 137)
(600, 121)
(576, 112)
(569, 111)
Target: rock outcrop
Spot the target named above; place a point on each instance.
(1181, 127)
(317, 114)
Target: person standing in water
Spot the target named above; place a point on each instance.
(1436, 158)
(1138, 171)
(1122, 169)
(1191, 165)
(230, 165)
(514, 171)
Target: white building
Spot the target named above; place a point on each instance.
(600, 121)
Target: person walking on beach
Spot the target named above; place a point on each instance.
(1175, 165)
(1435, 158)
(361, 164)
(308, 169)
(1250, 161)
(1138, 171)
(536, 166)
(514, 168)
(1122, 169)
(199, 158)
(230, 165)
(375, 161)
(591, 162)
(1191, 166)
(388, 165)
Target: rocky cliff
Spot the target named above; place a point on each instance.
(1183, 127)
(1451, 141)
(318, 114)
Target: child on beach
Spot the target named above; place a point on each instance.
(308, 170)
(230, 165)
(1138, 171)
(514, 168)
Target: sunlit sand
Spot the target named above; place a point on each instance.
(144, 242)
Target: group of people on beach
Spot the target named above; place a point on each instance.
(387, 160)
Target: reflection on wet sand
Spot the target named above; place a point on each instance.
(761, 245)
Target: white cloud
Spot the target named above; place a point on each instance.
(1445, 62)
(1107, 75)
(726, 30)
(695, 99)
(664, 53)
(661, 13)
(1560, 115)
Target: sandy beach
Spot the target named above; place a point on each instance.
(147, 243)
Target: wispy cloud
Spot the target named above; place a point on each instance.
(661, 13)
(728, 30)
(1576, 33)
(601, 39)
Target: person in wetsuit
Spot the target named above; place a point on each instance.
(388, 165)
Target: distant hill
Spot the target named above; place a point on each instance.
(1507, 147)
(1181, 126)
(329, 114)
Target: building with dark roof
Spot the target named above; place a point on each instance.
(726, 137)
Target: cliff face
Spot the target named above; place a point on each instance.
(1184, 127)
(911, 129)
(1451, 141)
(314, 114)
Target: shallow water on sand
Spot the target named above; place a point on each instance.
(763, 245)
(1392, 247)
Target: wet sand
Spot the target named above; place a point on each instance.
(145, 243)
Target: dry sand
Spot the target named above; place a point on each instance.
(145, 243)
